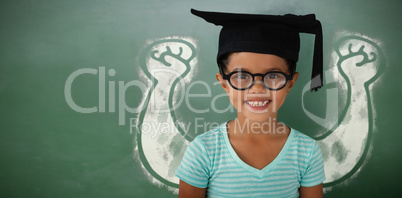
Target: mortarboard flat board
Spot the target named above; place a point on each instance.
(268, 34)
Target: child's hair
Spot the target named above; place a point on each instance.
(224, 60)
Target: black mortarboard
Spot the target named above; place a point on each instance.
(268, 34)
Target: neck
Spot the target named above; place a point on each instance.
(250, 128)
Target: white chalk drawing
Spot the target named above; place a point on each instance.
(345, 147)
(169, 63)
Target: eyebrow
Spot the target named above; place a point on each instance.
(270, 70)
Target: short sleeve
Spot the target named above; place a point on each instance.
(314, 174)
(193, 168)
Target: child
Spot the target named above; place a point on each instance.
(254, 155)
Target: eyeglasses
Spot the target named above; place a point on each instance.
(242, 80)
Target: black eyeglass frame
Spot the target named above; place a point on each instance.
(287, 77)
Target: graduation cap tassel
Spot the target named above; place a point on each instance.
(317, 73)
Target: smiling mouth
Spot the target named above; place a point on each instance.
(257, 103)
(257, 106)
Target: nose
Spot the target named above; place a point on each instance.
(258, 86)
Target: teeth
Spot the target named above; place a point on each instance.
(257, 103)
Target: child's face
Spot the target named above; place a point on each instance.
(256, 103)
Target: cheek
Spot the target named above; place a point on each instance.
(278, 100)
(236, 98)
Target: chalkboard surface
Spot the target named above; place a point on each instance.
(100, 98)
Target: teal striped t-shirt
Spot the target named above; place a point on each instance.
(211, 162)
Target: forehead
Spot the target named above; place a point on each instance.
(256, 62)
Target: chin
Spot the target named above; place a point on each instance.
(259, 116)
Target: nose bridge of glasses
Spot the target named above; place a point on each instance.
(258, 82)
(261, 77)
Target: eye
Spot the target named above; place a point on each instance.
(272, 76)
(241, 76)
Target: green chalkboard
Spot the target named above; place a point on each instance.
(100, 98)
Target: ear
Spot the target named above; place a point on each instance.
(293, 81)
(223, 82)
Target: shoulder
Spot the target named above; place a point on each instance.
(211, 139)
(310, 160)
(198, 160)
(212, 135)
(301, 138)
(303, 144)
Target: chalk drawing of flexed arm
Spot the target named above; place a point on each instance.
(161, 140)
(345, 148)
